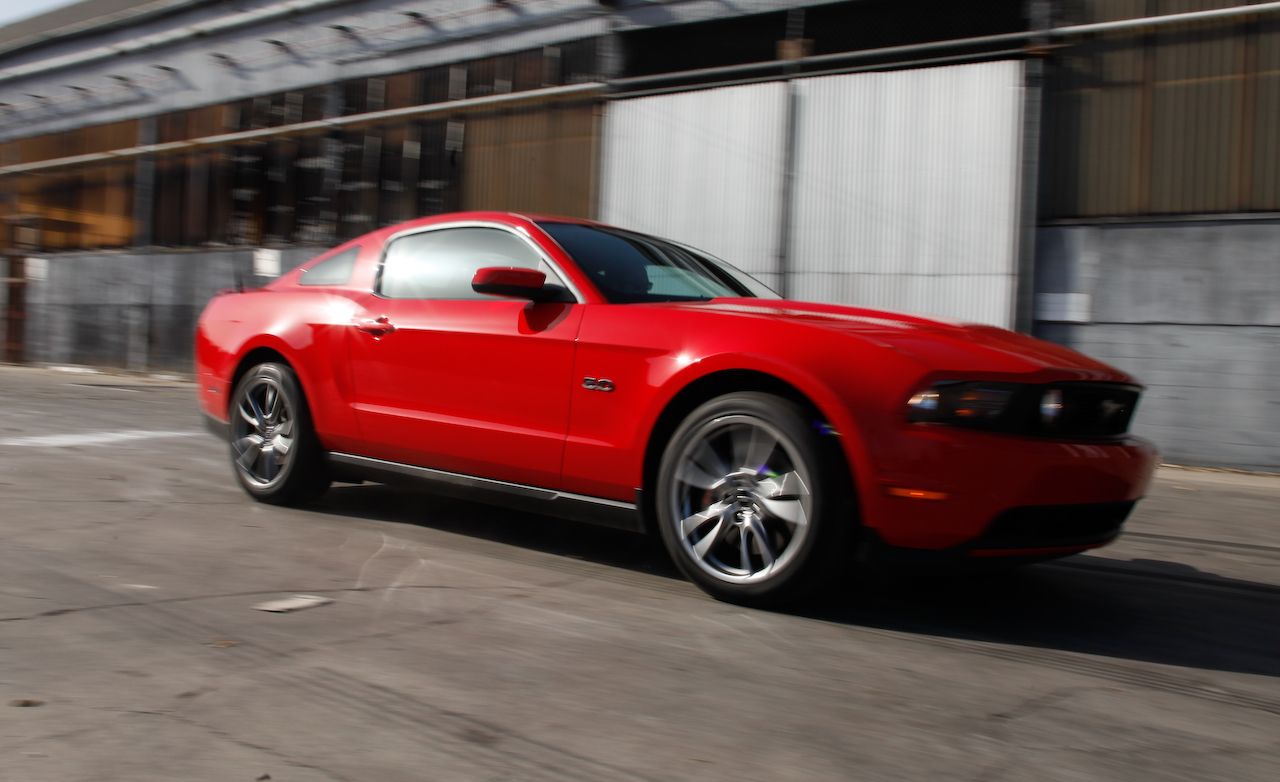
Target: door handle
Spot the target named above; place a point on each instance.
(378, 327)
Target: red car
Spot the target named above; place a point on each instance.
(584, 370)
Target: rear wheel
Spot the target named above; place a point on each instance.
(751, 503)
(274, 449)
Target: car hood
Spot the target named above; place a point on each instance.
(938, 344)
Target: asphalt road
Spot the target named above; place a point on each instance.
(465, 643)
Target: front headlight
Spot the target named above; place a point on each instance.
(1050, 407)
(1075, 410)
(975, 404)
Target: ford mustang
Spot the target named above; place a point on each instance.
(578, 369)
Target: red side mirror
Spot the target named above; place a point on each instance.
(515, 282)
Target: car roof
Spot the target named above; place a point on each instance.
(511, 218)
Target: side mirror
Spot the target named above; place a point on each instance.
(514, 282)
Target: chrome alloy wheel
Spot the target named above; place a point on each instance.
(262, 432)
(740, 499)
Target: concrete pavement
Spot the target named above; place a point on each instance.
(469, 643)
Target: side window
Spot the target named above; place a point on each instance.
(440, 264)
(332, 271)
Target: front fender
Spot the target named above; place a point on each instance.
(834, 410)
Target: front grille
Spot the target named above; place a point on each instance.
(1048, 526)
(1085, 411)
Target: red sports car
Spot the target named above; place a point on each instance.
(584, 370)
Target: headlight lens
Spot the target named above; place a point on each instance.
(1064, 410)
(1050, 406)
(960, 403)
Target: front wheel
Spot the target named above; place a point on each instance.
(274, 449)
(751, 502)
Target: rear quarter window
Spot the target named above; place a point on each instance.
(332, 271)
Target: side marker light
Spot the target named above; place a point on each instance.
(916, 494)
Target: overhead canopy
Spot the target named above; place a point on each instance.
(75, 18)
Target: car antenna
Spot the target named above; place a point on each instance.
(239, 276)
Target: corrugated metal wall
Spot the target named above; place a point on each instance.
(1177, 121)
(700, 167)
(86, 208)
(538, 160)
(906, 190)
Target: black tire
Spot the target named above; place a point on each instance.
(754, 506)
(275, 453)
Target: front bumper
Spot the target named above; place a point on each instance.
(996, 495)
(1046, 528)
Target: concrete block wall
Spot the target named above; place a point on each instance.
(131, 310)
(1191, 309)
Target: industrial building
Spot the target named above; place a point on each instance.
(1102, 173)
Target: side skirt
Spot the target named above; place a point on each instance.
(219, 429)
(579, 507)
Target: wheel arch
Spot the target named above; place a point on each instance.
(260, 354)
(718, 383)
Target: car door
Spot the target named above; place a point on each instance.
(456, 380)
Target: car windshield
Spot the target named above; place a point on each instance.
(631, 268)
